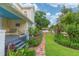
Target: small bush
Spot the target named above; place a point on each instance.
(22, 52)
(32, 42)
(30, 53)
(11, 53)
(33, 31)
(35, 41)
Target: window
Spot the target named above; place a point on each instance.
(25, 12)
(17, 24)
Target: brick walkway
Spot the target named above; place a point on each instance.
(40, 50)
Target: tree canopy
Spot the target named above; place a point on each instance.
(41, 20)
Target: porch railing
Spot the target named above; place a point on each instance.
(18, 43)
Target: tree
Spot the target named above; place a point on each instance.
(64, 10)
(70, 22)
(41, 20)
(68, 18)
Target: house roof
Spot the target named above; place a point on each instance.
(7, 14)
(8, 11)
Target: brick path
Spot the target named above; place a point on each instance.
(40, 50)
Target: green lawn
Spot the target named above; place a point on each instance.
(54, 49)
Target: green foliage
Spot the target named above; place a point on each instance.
(51, 27)
(11, 53)
(36, 37)
(65, 10)
(69, 22)
(32, 42)
(68, 18)
(41, 20)
(55, 49)
(66, 41)
(73, 32)
(33, 31)
(22, 52)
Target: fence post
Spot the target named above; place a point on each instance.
(2, 42)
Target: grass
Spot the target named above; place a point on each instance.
(54, 49)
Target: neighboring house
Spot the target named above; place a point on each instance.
(16, 20)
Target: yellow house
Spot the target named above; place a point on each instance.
(16, 20)
(19, 22)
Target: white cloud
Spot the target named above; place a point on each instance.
(36, 7)
(53, 18)
(58, 14)
(53, 5)
(70, 5)
(48, 14)
(67, 5)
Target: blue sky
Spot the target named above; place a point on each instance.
(53, 10)
(47, 8)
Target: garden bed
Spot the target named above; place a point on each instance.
(55, 49)
(66, 41)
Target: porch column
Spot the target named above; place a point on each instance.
(26, 30)
(2, 42)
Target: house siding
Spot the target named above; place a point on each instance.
(2, 42)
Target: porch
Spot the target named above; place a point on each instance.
(15, 33)
(15, 26)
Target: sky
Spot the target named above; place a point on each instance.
(53, 10)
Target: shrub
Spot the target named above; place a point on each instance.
(35, 41)
(33, 31)
(32, 42)
(11, 53)
(30, 53)
(26, 52)
(65, 41)
(22, 52)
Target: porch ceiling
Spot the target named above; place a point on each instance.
(7, 14)
(8, 11)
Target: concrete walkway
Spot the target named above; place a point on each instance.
(40, 50)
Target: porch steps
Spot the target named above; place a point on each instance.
(22, 46)
(19, 43)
